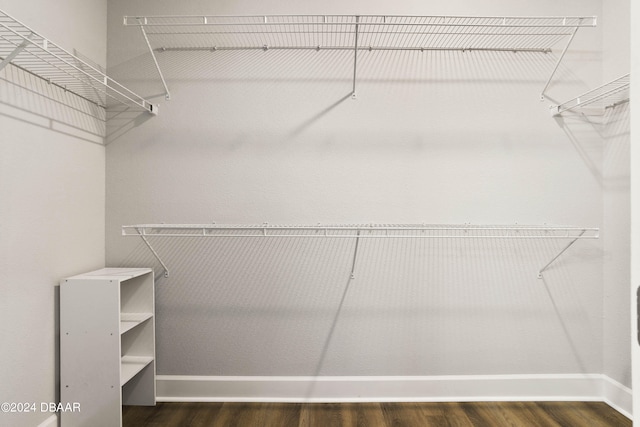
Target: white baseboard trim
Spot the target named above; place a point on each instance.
(52, 421)
(450, 388)
(618, 396)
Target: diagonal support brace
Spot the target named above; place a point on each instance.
(564, 51)
(355, 57)
(355, 257)
(543, 269)
(167, 95)
(7, 60)
(155, 254)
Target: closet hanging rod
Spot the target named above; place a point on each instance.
(403, 231)
(360, 48)
(39, 56)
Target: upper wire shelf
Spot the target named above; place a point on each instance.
(39, 56)
(374, 31)
(358, 33)
(609, 95)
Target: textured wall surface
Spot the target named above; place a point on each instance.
(434, 137)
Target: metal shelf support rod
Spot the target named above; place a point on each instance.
(167, 94)
(367, 48)
(355, 257)
(155, 254)
(6, 61)
(355, 58)
(564, 51)
(543, 269)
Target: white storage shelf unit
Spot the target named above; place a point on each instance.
(107, 344)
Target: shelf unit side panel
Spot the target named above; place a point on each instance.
(137, 295)
(89, 351)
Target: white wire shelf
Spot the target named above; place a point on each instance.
(26, 49)
(357, 33)
(379, 231)
(606, 96)
(374, 31)
(361, 231)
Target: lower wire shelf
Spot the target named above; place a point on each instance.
(363, 231)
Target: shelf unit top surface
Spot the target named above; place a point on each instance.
(113, 273)
(35, 54)
(373, 31)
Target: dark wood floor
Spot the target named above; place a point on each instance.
(490, 414)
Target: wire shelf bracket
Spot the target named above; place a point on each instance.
(153, 251)
(608, 95)
(543, 269)
(7, 60)
(364, 231)
(359, 33)
(29, 51)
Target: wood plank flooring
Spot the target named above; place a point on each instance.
(489, 414)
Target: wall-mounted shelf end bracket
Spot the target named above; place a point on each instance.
(141, 233)
(581, 22)
(7, 60)
(553, 72)
(142, 22)
(543, 269)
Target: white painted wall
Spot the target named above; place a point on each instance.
(635, 203)
(52, 179)
(436, 138)
(616, 197)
